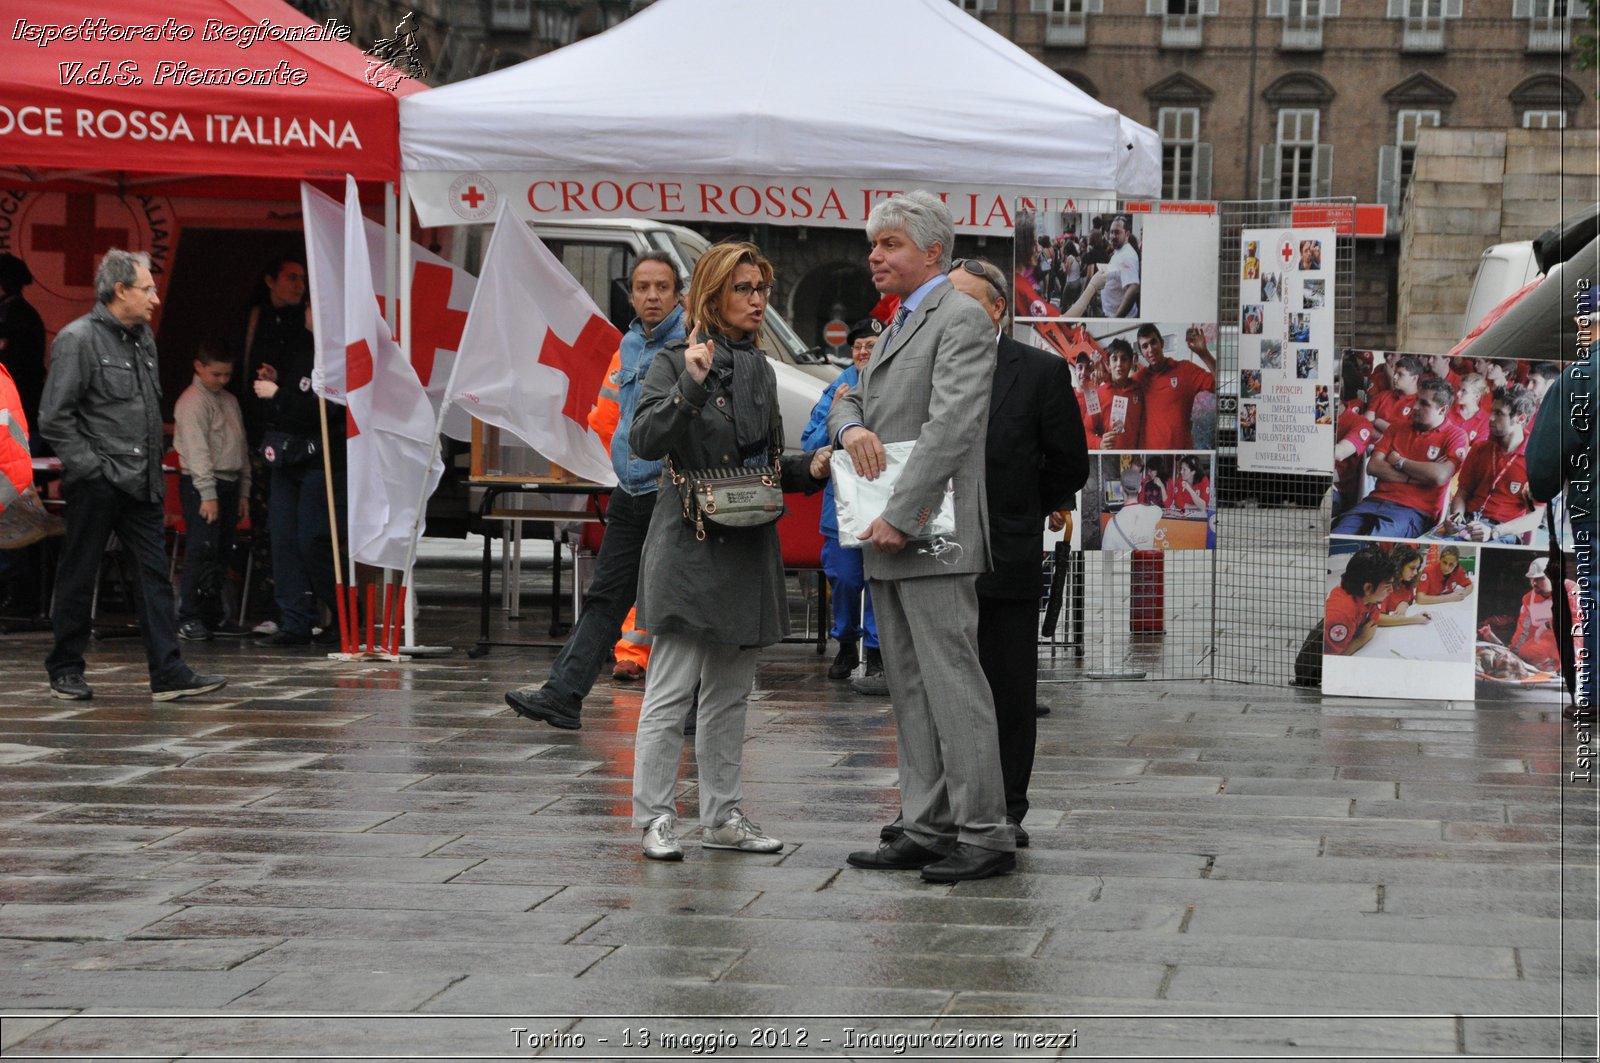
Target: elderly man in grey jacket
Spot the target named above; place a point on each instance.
(101, 411)
(929, 381)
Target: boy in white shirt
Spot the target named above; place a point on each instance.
(208, 433)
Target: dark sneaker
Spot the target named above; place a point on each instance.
(70, 687)
(228, 629)
(185, 684)
(326, 636)
(845, 663)
(287, 638)
(531, 702)
(194, 631)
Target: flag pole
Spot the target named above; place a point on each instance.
(346, 621)
(444, 406)
(404, 278)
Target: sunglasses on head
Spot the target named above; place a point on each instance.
(978, 268)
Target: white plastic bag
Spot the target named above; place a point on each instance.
(858, 501)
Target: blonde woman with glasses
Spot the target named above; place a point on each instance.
(710, 596)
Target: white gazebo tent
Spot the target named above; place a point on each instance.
(797, 112)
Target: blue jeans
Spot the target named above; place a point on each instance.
(1378, 516)
(302, 544)
(847, 585)
(205, 551)
(611, 594)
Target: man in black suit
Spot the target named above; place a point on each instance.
(1036, 460)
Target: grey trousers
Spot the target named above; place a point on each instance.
(951, 788)
(725, 675)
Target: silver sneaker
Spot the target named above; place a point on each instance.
(739, 833)
(661, 840)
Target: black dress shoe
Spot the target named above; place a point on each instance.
(902, 854)
(890, 831)
(1017, 829)
(969, 861)
(531, 703)
(1041, 709)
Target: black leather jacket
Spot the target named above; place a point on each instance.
(101, 409)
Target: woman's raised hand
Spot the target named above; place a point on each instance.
(697, 359)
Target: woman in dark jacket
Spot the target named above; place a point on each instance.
(709, 402)
(297, 507)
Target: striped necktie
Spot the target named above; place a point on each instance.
(900, 316)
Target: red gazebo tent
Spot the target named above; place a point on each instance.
(237, 98)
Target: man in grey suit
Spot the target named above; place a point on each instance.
(929, 381)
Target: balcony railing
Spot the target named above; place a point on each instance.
(1180, 31)
(1549, 34)
(1423, 33)
(1302, 33)
(1069, 28)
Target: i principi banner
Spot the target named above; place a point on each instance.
(1287, 363)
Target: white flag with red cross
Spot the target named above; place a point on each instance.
(389, 426)
(534, 352)
(440, 295)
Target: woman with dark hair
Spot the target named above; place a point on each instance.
(1394, 612)
(1191, 495)
(710, 596)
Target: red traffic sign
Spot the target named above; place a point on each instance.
(835, 332)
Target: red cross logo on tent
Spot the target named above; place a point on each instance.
(78, 240)
(473, 197)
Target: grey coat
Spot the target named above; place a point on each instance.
(729, 588)
(931, 384)
(101, 409)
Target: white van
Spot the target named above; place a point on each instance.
(1504, 270)
(601, 252)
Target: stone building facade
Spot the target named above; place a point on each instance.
(1254, 99)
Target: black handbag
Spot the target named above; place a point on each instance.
(284, 451)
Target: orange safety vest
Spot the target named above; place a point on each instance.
(16, 463)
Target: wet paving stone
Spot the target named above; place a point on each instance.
(1209, 863)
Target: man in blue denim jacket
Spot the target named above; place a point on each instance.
(655, 289)
(847, 585)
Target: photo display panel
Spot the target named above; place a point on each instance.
(1129, 298)
(1286, 355)
(1431, 497)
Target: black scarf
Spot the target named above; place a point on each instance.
(740, 367)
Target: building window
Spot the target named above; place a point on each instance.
(976, 8)
(1397, 161)
(1181, 20)
(1296, 166)
(1544, 119)
(1185, 162)
(511, 15)
(1424, 20)
(1066, 22)
(1302, 22)
(1549, 22)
